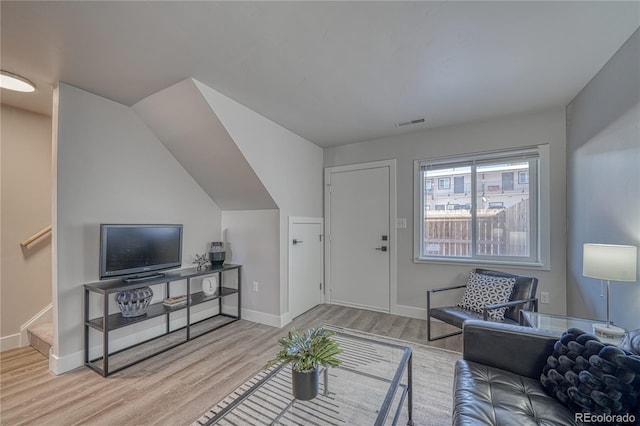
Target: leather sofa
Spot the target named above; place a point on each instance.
(497, 381)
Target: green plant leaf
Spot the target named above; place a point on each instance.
(306, 351)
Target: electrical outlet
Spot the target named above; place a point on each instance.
(255, 285)
(544, 297)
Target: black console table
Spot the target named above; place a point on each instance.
(172, 337)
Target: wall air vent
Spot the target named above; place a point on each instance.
(410, 123)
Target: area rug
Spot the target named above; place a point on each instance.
(432, 386)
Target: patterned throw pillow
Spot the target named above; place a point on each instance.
(483, 290)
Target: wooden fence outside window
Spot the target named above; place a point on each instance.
(500, 232)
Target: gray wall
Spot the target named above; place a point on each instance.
(110, 168)
(546, 127)
(603, 181)
(289, 166)
(253, 236)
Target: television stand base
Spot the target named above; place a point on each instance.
(142, 277)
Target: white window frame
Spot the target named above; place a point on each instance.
(539, 198)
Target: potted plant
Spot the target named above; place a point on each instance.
(306, 352)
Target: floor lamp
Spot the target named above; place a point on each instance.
(611, 263)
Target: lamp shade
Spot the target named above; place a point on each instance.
(610, 262)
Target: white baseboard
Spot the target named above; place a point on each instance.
(59, 365)
(359, 306)
(263, 318)
(401, 310)
(10, 342)
(285, 319)
(410, 311)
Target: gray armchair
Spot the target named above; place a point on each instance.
(522, 297)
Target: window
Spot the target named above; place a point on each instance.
(507, 181)
(444, 183)
(486, 219)
(428, 184)
(458, 185)
(523, 178)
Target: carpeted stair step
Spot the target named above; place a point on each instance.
(41, 337)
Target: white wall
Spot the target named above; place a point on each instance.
(185, 123)
(111, 168)
(26, 209)
(253, 236)
(603, 163)
(289, 166)
(546, 127)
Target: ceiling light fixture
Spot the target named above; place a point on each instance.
(15, 82)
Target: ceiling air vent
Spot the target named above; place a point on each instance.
(410, 123)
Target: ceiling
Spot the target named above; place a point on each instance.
(332, 72)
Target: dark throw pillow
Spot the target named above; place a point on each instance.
(589, 376)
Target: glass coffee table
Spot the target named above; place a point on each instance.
(558, 324)
(369, 387)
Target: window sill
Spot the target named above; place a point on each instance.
(483, 262)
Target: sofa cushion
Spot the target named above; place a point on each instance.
(483, 290)
(491, 396)
(589, 376)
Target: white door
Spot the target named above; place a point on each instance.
(305, 264)
(359, 238)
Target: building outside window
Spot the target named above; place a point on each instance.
(492, 217)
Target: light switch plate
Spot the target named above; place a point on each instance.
(401, 222)
(544, 297)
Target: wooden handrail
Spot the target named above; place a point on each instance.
(35, 236)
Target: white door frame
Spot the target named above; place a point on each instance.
(393, 240)
(302, 219)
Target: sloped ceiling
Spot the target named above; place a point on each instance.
(185, 123)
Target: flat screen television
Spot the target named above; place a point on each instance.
(139, 251)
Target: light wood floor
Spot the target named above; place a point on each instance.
(173, 388)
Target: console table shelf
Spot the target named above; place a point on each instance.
(116, 321)
(140, 351)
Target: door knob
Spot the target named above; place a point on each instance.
(383, 248)
(296, 241)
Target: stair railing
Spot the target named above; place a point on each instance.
(35, 237)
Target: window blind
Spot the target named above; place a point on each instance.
(479, 159)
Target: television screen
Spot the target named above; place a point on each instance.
(139, 249)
